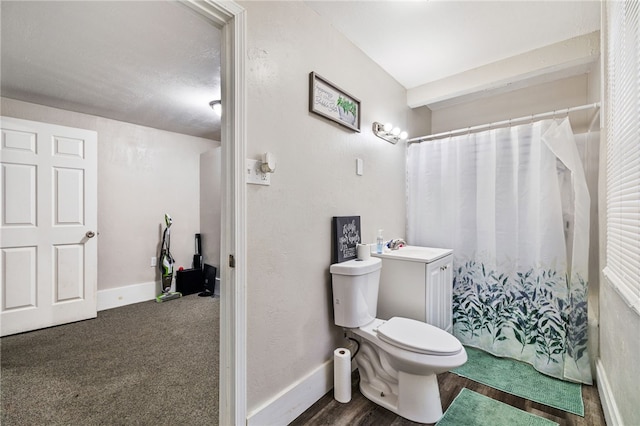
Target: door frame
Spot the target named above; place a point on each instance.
(231, 19)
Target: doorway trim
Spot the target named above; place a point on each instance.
(231, 19)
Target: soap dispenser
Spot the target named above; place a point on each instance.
(379, 242)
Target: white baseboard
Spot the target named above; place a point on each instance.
(611, 413)
(294, 400)
(115, 297)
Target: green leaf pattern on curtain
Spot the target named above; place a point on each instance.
(530, 308)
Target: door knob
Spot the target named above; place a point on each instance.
(90, 234)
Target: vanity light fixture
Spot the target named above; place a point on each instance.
(216, 106)
(388, 132)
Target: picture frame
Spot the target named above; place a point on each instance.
(329, 101)
(345, 236)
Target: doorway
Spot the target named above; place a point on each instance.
(231, 19)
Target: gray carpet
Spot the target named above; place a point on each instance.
(143, 364)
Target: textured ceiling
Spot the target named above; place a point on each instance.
(151, 63)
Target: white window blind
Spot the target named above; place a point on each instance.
(623, 149)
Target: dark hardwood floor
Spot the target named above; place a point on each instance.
(361, 411)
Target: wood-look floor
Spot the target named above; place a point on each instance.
(361, 411)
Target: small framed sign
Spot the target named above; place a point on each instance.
(333, 103)
(346, 237)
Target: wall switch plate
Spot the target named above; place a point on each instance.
(254, 174)
(359, 167)
(154, 261)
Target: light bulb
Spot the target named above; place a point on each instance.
(403, 135)
(395, 131)
(387, 127)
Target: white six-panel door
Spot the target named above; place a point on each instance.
(48, 225)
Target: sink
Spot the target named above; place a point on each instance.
(415, 253)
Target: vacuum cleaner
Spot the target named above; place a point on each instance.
(166, 265)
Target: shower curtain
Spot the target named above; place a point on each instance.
(514, 206)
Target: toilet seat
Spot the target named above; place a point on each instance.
(417, 336)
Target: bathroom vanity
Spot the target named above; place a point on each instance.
(417, 282)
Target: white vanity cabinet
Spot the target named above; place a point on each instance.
(417, 282)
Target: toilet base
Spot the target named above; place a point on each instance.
(418, 397)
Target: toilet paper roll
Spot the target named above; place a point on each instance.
(364, 252)
(342, 375)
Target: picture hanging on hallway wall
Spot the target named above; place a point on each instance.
(345, 237)
(333, 103)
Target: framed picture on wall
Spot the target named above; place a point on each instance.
(346, 236)
(329, 101)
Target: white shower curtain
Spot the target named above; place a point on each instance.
(513, 205)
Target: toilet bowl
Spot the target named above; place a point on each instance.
(403, 378)
(398, 359)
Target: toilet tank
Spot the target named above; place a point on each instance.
(355, 291)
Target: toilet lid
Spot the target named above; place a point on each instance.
(417, 336)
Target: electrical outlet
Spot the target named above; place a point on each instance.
(255, 175)
(154, 261)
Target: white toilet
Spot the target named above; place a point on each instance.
(398, 359)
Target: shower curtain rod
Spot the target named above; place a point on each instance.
(528, 118)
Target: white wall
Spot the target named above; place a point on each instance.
(142, 173)
(210, 197)
(290, 318)
(619, 354)
(619, 367)
(595, 169)
(419, 121)
(555, 95)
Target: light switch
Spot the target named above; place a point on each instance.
(255, 175)
(359, 167)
